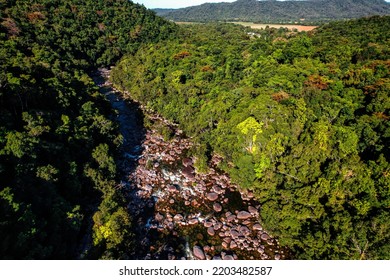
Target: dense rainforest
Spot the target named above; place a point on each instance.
(275, 11)
(301, 119)
(57, 138)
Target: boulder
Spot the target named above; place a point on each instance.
(257, 227)
(245, 230)
(233, 245)
(264, 236)
(231, 218)
(217, 207)
(193, 221)
(198, 253)
(243, 215)
(211, 231)
(188, 172)
(178, 217)
(253, 210)
(159, 217)
(212, 196)
(208, 224)
(187, 162)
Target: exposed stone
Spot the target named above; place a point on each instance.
(188, 172)
(208, 224)
(231, 218)
(158, 217)
(187, 162)
(277, 257)
(245, 230)
(193, 221)
(234, 234)
(233, 245)
(198, 253)
(243, 215)
(253, 210)
(257, 227)
(264, 236)
(212, 196)
(178, 217)
(211, 231)
(218, 226)
(217, 207)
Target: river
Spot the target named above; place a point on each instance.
(177, 212)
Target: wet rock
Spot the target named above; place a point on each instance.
(277, 257)
(212, 196)
(217, 258)
(217, 190)
(231, 218)
(193, 221)
(234, 234)
(243, 215)
(187, 162)
(218, 226)
(208, 224)
(217, 207)
(233, 245)
(172, 189)
(198, 253)
(264, 237)
(158, 217)
(225, 245)
(188, 172)
(211, 231)
(178, 217)
(257, 227)
(245, 230)
(253, 210)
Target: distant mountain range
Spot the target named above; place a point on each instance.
(273, 11)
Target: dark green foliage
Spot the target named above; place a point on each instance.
(308, 11)
(300, 119)
(57, 142)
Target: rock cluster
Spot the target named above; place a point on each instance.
(186, 199)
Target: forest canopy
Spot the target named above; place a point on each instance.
(58, 139)
(301, 119)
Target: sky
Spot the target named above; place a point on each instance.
(177, 3)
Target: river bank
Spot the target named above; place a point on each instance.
(179, 213)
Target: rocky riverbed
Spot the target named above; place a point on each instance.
(180, 213)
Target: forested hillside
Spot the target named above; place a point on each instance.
(267, 11)
(57, 141)
(300, 119)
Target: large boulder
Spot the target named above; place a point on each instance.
(212, 196)
(217, 207)
(198, 253)
(243, 215)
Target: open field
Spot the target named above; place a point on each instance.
(263, 26)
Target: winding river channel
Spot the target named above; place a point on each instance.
(177, 212)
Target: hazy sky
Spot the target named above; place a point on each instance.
(177, 3)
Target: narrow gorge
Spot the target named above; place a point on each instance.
(179, 213)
